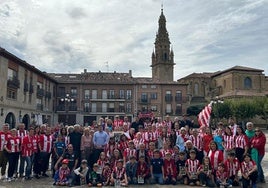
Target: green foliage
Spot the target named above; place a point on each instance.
(194, 110)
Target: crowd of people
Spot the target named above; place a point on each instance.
(120, 152)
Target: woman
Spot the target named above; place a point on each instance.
(215, 155)
(228, 141)
(241, 144)
(258, 143)
(86, 144)
(12, 147)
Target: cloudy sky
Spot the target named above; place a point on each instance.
(115, 35)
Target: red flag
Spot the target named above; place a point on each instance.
(204, 115)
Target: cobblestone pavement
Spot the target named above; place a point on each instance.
(47, 182)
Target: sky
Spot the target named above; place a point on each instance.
(66, 36)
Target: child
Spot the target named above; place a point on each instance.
(232, 168)
(249, 172)
(101, 161)
(143, 171)
(181, 169)
(131, 170)
(106, 174)
(205, 173)
(93, 178)
(119, 175)
(61, 178)
(170, 171)
(192, 165)
(157, 168)
(221, 176)
(59, 148)
(81, 173)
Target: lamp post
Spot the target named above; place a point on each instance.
(67, 100)
(217, 101)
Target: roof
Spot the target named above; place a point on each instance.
(237, 68)
(94, 77)
(10, 56)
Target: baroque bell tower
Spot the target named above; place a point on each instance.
(162, 56)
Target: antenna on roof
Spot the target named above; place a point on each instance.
(107, 65)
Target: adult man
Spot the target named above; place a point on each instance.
(75, 139)
(3, 158)
(185, 121)
(21, 132)
(232, 125)
(135, 124)
(100, 140)
(45, 147)
(27, 152)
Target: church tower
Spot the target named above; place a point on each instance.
(162, 56)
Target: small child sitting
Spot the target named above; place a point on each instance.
(94, 178)
(62, 176)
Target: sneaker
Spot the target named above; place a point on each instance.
(37, 176)
(3, 178)
(9, 179)
(204, 185)
(45, 175)
(230, 186)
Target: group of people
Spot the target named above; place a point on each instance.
(120, 152)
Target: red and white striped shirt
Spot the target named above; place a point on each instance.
(232, 167)
(170, 168)
(13, 144)
(246, 167)
(215, 157)
(137, 142)
(221, 176)
(241, 141)
(27, 147)
(45, 142)
(197, 141)
(119, 173)
(22, 133)
(3, 139)
(229, 142)
(129, 152)
(192, 165)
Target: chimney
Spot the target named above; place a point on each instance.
(130, 73)
(85, 70)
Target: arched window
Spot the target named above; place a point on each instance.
(247, 83)
(196, 89)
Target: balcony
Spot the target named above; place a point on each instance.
(168, 98)
(109, 98)
(62, 108)
(61, 94)
(39, 107)
(13, 83)
(31, 88)
(26, 87)
(168, 112)
(48, 94)
(40, 92)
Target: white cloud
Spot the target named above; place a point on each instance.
(68, 36)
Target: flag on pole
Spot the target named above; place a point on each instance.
(204, 116)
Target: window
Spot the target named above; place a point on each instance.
(111, 94)
(129, 108)
(144, 86)
(111, 107)
(121, 94)
(86, 93)
(178, 96)
(73, 91)
(11, 74)
(93, 107)
(94, 94)
(39, 104)
(11, 94)
(247, 83)
(129, 95)
(86, 107)
(154, 108)
(144, 97)
(104, 94)
(168, 108)
(104, 107)
(196, 89)
(178, 109)
(121, 107)
(153, 86)
(168, 96)
(153, 95)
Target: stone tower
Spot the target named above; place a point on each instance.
(162, 56)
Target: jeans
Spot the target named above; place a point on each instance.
(158, 178)
(260, 171)
(22, 165)
(29, 164)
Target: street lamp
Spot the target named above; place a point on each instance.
(217, 101)
(67, 100)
